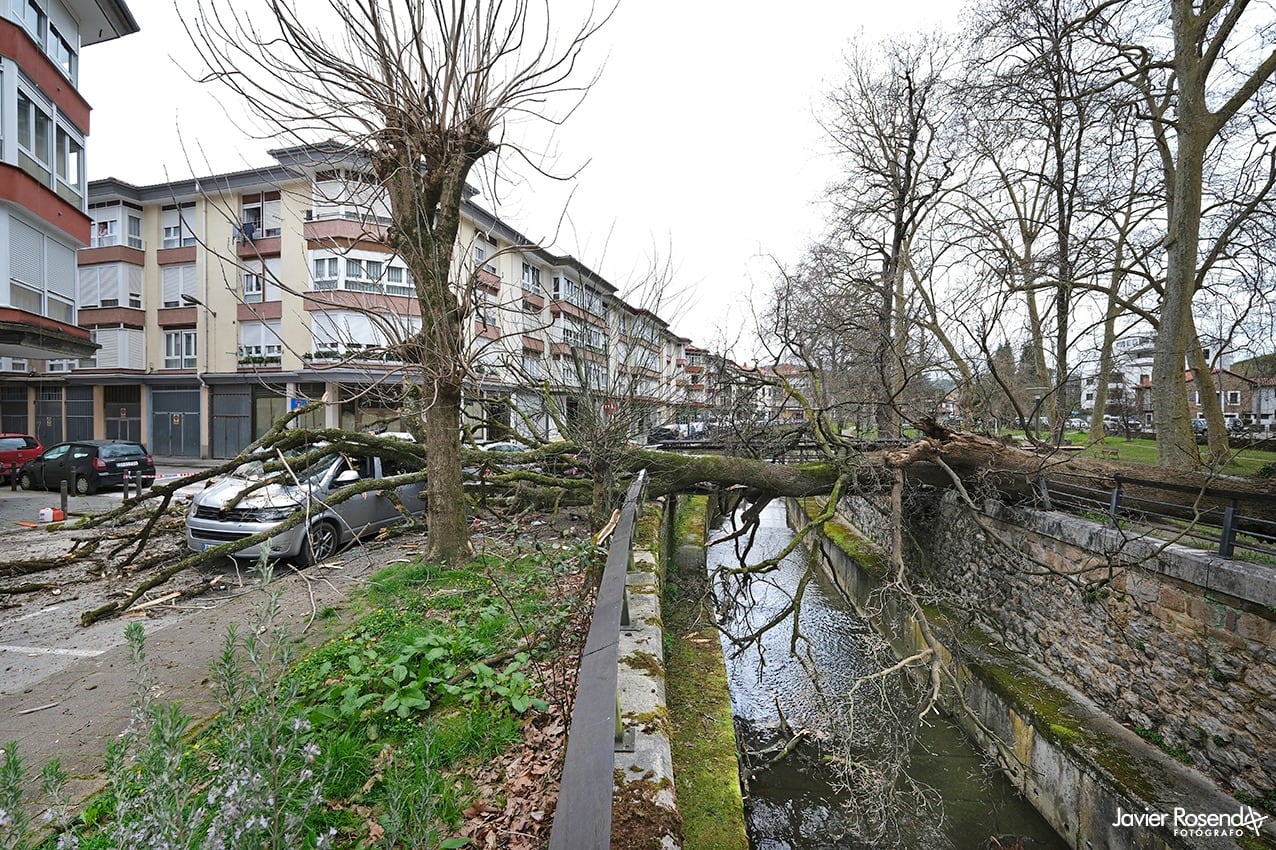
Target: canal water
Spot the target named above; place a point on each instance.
(859, 776)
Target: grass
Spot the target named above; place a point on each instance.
(706, 769)
(1140, 450)
(381, 737)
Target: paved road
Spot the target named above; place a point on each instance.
(24, 506)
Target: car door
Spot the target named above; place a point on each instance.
(358, 513)
(411, 495)
(50, 467)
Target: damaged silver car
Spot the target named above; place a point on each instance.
(251, 501)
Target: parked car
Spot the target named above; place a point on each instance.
(1200, 426)
(88, 466)
(668, 432)
(1077, 423)
(241, 505)
(15, 451)
(504, 446)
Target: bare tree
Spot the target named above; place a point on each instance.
(425, 89)
(886, 126)
(1204, 100)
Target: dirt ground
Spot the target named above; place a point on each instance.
(66, 689)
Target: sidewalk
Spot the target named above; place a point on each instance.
(85, 699)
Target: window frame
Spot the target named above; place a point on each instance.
(180, 346)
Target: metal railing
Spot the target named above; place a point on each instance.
(582, 818)
(1216, 518)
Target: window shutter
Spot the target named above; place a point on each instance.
(108, 356)
(89, 287)
(271, 217)
(188, 279)
(26, 253)
(109, 284)
(172, 285)
(134, 274)
(61, 268)
(270, 286)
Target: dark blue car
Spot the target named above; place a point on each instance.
(88, 466)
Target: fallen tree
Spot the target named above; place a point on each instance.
(549, 476)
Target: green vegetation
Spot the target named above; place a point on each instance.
(1243, 462)
(376, 739)
(706, 769)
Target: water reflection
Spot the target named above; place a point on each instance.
(799, 802)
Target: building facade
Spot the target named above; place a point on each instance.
(220, 303)
(44, 217)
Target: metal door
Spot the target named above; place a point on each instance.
(175, 422)
(48, 415)
(79, 413)
(122, 410)
(232, 424)
(13, 409)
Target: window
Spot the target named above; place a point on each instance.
(253, 288)
(61, 309)
(33, 18)
(1233, 397)
(70, 159)
(372, 269)
(260, 216)
(134, 231)
(34, 130)
(484, 254)
(25, 298)
(61, 53)
(325, 273)
(104, 234)
(532, 368)
(179, 349)
(531, 278)
(354, 269)
(398, 281)
(176, 224)
(259, 342)
(110, 285)
(176, 281)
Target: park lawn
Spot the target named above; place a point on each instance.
(1243, 462)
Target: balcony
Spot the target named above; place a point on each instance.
(487, 281)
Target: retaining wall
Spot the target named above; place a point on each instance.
(1116, 632)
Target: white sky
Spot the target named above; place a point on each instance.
(700, 143)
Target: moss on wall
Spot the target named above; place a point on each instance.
(706, 767)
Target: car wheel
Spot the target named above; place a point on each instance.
(84, 486)
(148, 480)
(25, 481)
(321, 543)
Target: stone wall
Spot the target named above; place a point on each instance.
(1177, 645)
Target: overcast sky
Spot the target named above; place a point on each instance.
(700, 144)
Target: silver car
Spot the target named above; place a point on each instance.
(219, 515)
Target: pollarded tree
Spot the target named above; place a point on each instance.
(425, 89)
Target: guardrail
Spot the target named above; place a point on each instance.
(582, 817)
(1215, 517)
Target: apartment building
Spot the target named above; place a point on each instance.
(44, 122)
(222, 302)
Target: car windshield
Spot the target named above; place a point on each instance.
(306, 472)
(7, 443)
(119, 450)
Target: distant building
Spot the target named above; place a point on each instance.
(219, 303)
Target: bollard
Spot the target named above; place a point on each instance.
(13, 476)
(64, 491)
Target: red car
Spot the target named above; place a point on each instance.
(16, 450)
